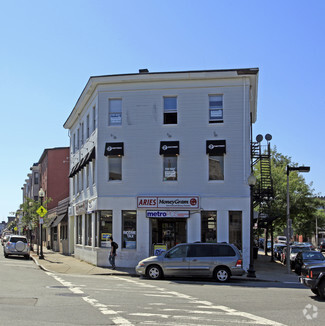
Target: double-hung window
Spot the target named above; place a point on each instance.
(114, 168)
(215, 108)
(87, 127)
(170, 110)
(94, 118)
(115, 112)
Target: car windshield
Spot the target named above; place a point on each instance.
(313, 255)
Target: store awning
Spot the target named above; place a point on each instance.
(84, 161)
(216, 147)
(114, 149)
(58, 220)
(169, 148)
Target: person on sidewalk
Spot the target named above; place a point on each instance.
(112, 254)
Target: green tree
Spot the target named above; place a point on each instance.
(303, 202)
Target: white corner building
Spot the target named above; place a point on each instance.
(158, 159)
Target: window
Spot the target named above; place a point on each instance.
(129, 224)
(82, 179)
(78, 138)
(88, 230)
(105, 228)
(87, 127)
(170, 167)
(94, 170)
(170, 110)
(114, 168)
(209, 226)
(74, 146)
(55, 233)
(87, 175)
(178, 252)
(216, 167)
(115, 112)
(215, 108)
(235, 229)
(79, 229)
(36, 179)
(94, 118)
(82, 134)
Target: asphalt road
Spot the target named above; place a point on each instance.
(28, 293)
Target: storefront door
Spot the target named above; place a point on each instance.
(169, 232)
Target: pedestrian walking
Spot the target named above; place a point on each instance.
(112, 254)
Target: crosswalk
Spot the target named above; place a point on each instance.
(137, 302)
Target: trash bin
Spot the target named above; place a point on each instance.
(255, 252)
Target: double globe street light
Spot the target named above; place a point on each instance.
(41, 195)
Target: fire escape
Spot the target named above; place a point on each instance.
(263, 190)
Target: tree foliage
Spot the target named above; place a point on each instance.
(304, 204)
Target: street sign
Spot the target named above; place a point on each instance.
(41, 220)
(41, 211)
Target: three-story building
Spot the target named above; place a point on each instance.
(158, 159)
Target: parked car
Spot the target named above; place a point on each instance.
(16, 245)
(281, 239)
(308, 258)
(278, 247)
(217, 260)
(322, 246)
(4, 238)
(293, 253)
(313, 276)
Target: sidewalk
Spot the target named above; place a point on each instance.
(57, 263)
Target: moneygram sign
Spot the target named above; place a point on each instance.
(168, 202)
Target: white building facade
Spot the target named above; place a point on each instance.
(159, 159)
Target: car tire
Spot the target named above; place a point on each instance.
(154, 272)
(222, 274)
(315, 291)
(321, 288)
(6, 256)
(26, 257)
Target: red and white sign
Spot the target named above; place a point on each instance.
(168, 201)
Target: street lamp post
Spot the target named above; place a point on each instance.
(41, 195)
(289, 169)
(251, 271)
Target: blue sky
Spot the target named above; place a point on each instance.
(49, 49)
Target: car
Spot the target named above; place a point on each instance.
(4, 238)
(308, 258)
(215, 260)
(278, 247)
(322, 246)
(313, 276)
(16, 245)
(293, 252)
(281, 239)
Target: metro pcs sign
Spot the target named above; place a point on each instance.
(168, 202)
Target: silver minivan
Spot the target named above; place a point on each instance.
(215, 260)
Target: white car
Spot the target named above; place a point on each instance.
(16, 245)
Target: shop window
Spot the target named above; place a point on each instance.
(235, 229)
(129, 224)
(170, 110)
(88, 230)
(115, 112)
(115, 168)
(79, 229)
(105, 228)
(209, 226)
(170, 168)
(215, 108)
(216, 167)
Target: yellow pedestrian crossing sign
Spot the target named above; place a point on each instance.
(41, 211)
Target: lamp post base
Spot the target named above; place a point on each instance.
(251, 272)
(41, 256)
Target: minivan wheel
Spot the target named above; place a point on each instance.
(154, 272)
(222, 274)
